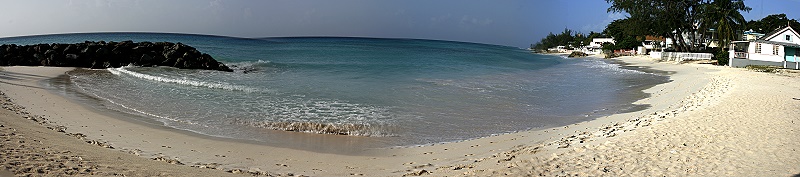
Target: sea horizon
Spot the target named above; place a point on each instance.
(244, 38)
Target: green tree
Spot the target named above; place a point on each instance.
(579, 40)
(771, 23)
(566, 38)
(724, 16)
(624, 34)
(668, 18)
(677, 19)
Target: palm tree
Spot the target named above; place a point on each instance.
(724, 16)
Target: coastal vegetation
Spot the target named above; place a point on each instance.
(625, 33)
(567, 38)
(707, 26)
(686, 22)
(724, 18)
(771, 23)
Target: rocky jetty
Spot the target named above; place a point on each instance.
(101, 54)
(577, 54)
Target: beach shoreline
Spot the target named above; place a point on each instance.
(488, 155)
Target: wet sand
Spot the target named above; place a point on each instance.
(706, 121)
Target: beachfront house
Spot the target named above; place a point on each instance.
(778, 48)
(596, 47)
(654, 43)
(599, 41)
(558, 49)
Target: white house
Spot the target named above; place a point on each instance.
(596, 47)
(598, 42)
(778, 48)
(654, 43)
(558, 49)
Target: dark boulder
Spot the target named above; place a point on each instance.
(71, 57)
(577, 54)
(50, 52)
(145, 60)
(71, 49)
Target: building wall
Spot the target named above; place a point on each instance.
(741, 63)
(656, 55)
(765, 53)
(792, 54)
(598, 42)
(782, 37)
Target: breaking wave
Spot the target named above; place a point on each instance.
(213, 85)
(609, 67)
(253, 66)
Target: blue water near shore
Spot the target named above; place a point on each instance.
(396, 91)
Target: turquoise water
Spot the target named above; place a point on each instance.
(396, 92)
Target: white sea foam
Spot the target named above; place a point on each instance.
(213, 85)
(250, 66)
(319, 116)
(250, 63)
(162, 118)
(610, 67)
(322, 128)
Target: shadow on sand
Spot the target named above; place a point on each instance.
(6, 76)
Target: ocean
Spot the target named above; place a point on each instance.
(363, 92)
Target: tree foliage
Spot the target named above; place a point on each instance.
(552, 40)
(771, 23)
(566, 38)
(680, 20)
(666, 18)
(625, 34)
(723, 16)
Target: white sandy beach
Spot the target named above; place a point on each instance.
(709, 121)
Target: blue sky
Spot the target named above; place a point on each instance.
(515, 23)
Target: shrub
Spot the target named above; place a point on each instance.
(721, 57)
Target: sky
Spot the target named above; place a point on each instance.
(516, 23)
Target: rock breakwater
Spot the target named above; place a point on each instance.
(101, 54)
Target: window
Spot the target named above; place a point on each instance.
(788, 38)
(758, 48)
(775, 49)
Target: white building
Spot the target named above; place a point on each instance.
(653, 43)
(751, 35)
(598, 42)
(559, 49)
(596, 47)
(778, 48)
